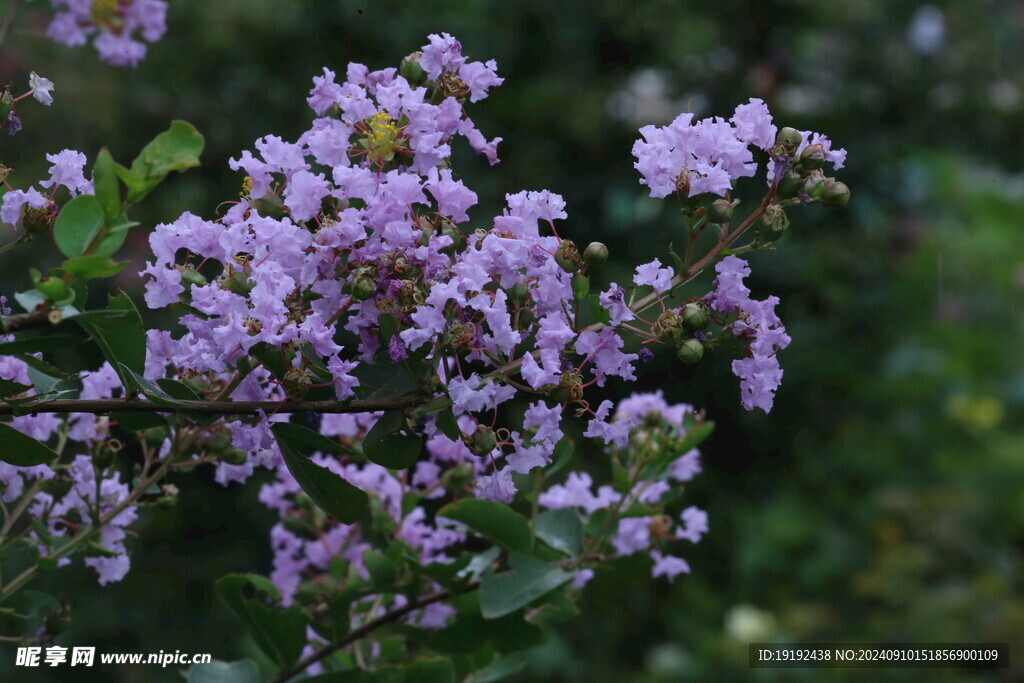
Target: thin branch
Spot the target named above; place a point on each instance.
(108, 405)
(28, 321)
(365, 630)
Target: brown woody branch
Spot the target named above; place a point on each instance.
(109, 405)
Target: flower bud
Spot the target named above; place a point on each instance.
(812, 157)
(595, 254)
(814, 185)
(53, 288)
(484, 440)
(234, 456)
(580, 286)
(720, 211)
(786, 142)
(6, 103)
(59, 484)
(836, 195)
(411, 70)
(519, 293)
(690, 351)
(364, 287)
(773, 223)
(244, 364)
(56, 624)
(789, 185)
(694, 315)
(269, 205)
(568, 257)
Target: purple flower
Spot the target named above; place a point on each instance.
(497, 487)
(41, 88)
(633, 535)
(730, 292)
(67, 171)
(653, 275)
(759, 378)
(754, 124)
(695, 524)
(668, 566)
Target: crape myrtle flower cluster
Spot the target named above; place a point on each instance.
(348, 265)
(119, 29)
(40, 89)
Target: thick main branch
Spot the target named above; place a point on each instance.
(109, 405)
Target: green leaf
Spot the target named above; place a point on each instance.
(562, 455)
(562, 530)
(383, 380)
(21, 450)
(528, 580)
(94, 266)
(104, 182)
(176, 149)
(216, 671)
(447, 424)
(601, 314)
(335, 496)
(392, 443)
(279, 632)
(10, 387)
(51, 342)
(498, 670)
(121, 339)
(78, 224)
(695, 433)
(494, 521)
(430, 671)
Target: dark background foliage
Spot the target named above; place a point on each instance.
(880, 500)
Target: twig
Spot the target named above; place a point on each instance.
(108, 405)
(366, 629)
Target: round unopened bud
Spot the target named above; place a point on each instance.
(694, 315)
(53, 288)
(773, 223)
(789, 137)
(519, 293)
(363, 287)
(568, 257)
(690, 351)
(484, 440)
(58, 485)
(6, 104)
(244, 364)
(836, 195)
(814, 184)
(234, 456)
(595, 254)
(720, 211)
(812, 157)
(580, 286)
(789, 185)
(411, 70)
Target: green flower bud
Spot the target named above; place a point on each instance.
(411, 70)
(244, 364)
(238, 283)
(484, 440)
(519, 293)
(595, 254)
(580, 286)
(6, 104)
(690, 351)
(269, 205)
(720, 211)
(234, 456)
(568, 257)
(458, 241)
(814, 185)
(59, 485)
(789, 185)
(364, 287)
(773, 223)
(694, 315)
(812, 157)
(53, 288)
(786, 142)
(836, 195)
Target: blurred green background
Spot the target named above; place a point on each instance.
(882, 499)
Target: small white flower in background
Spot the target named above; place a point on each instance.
(41, 88)
(748, 624)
